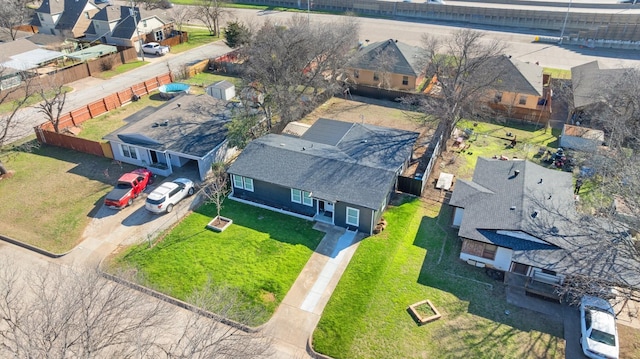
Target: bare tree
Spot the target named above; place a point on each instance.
(215, 187)
(56, 312)
(12, 14)
(295, 63)
(180, 15)
(210, 12)
(14, 97)
(385, 61)
(464, 64)
(52, 98)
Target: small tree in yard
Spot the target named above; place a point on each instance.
(53, 98)
(215, 188)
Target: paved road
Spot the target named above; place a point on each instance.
(92, 89)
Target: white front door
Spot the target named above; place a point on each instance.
(328, 206)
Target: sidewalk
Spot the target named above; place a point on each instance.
(297, 316)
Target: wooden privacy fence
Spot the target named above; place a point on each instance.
(46, 134)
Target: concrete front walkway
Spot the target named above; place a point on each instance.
(300, 310)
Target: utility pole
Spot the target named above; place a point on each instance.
(566, 16)
(133, 13)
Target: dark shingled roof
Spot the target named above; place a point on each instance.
(587, 80)
(351, 171)
(405, 59)
(534, 214)
(195, 126)
(126, 24)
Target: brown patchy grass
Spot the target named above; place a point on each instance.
(629, 342)
(53, 194)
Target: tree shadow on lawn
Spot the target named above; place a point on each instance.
(92, 167)
(442, 269)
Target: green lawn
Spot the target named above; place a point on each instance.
(52, 195)
(198, 36)
(121, 69)
(260, 255)
(367, 316)
(96, 128)
(203, 79)
(558, 73)
(490, 140)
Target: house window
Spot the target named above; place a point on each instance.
(238, 182)
(243, 183)
(498, 97)
(405, 80)
(159, 35)
(296, 195)
(376, 77)
(520, 268)
(248, 184)
(86, 14)
(479, 249)
(353, 216)
(41, 17)
(356, 73)
(144, 23)
(129, 151)
(306, 199)
(523, 100)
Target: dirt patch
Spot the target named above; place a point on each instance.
(372, 112)
(629, 342)
(268, 297)
(7, 175)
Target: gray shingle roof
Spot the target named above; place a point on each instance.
(126, 24)
(405, 59)
(539, 202)
(519, 77)
(331, 172)
(587, 81)
(195, 126)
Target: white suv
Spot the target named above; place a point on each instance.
(168, 194)
(599, 338)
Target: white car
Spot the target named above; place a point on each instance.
(599, 338)
(168, 194)
(155, 48)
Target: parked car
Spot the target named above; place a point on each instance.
(168, 194)
(129, 187)
(599, 338)
(155, 48)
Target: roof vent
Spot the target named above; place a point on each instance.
(534, 214)
(155, 124)
(540, 182)
(555, 230)
(513, 208)
(165, 123)
(516, 173)
(179, 104)
(282, 145)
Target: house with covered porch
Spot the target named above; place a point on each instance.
(519, 219)
(337, 172)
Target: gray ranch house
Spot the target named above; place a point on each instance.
(520, 219)
(337, 172)
(187, 130)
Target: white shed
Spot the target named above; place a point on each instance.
(223, 90)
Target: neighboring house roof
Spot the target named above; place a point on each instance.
(401, 58)
(333, 160)
(52, 6)
(92, 52)
(126, 23)
(189, 124)
(47, 39)
(533, 213)
(22, 55)
(519, 77)
(588, 80)
(71, 13)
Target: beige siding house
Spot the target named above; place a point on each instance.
(386, 64)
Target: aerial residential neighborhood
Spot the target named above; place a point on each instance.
(277, 179)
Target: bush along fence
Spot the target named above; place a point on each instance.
(46, 134)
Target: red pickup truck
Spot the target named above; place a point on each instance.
(129, 186)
